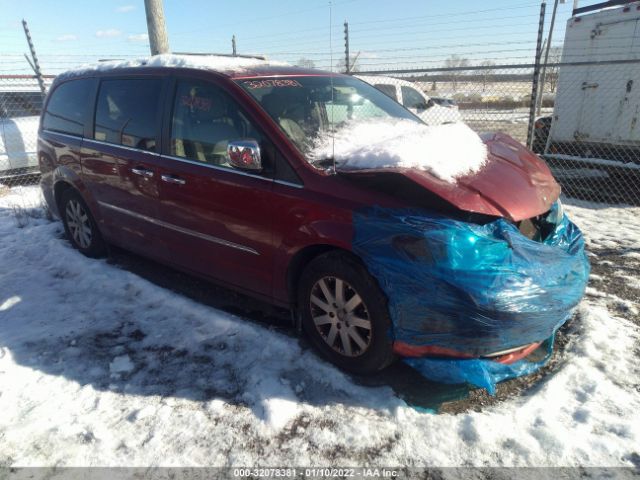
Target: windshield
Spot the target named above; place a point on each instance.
(305, 108)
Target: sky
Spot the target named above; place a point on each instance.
(384, 34)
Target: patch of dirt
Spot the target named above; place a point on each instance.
(608, 265)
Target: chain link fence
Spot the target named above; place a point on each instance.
(585, 122)
(486, 100)
(592, 140)
(20, 105)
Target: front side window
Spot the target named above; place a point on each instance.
(411, 98)
(203, 122)
(387, 89)
(127, 112)
(306, 108)
(67, 107)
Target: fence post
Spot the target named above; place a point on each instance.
(233, 45)
(536, 73)
(347, 61)
(543, 75)
(36, 64)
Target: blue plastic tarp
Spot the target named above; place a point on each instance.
(481, 372)
(469, 287)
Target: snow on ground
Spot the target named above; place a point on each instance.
(607, 226)
(392, 143)
(101, 367)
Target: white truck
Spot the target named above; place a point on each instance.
(595, 128)
(432, 112)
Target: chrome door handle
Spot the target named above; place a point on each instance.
(144, 172)
(173, 179)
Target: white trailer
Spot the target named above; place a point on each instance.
(592, 140)
(599, 103)
(597, 106)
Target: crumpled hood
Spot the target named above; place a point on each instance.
(514, 183)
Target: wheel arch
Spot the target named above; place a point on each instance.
(59, 188)
(303, 257)
(65, 178)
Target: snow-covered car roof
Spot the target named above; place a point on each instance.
(228, 65)
(384, 79)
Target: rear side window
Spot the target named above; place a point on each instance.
(412, 99)
(67, 107)
(127, 112)
(389, 90)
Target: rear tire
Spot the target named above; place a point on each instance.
(80, 226)
(344, 314)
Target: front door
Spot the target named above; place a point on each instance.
(219, 218)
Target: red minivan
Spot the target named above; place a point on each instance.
(203, 164)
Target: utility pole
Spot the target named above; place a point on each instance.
(536, 74)
(233, 45)
(35, 65)
(158, 40)
(347, 61)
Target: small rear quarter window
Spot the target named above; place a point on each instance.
(67, 108)
(389, 90)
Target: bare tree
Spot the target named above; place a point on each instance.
(551, 76)
(353, 60)
(305, 62)
(455, 61)
(486, 73)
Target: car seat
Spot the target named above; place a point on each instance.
(205, 127)
(289, 113)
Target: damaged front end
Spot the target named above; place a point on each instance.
(474, 298)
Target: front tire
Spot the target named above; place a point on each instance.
(80, 226)
(345, 314)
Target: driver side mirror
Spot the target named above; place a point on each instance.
(244, 155)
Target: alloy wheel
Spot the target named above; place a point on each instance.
(340, 316)
(78, 223)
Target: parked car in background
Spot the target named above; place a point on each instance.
(430, 110)
(19, 116)
(211, 165)
(593, 137)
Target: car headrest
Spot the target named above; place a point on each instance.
(275, 104)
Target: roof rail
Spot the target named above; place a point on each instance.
(598, 6)
(205, 54)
